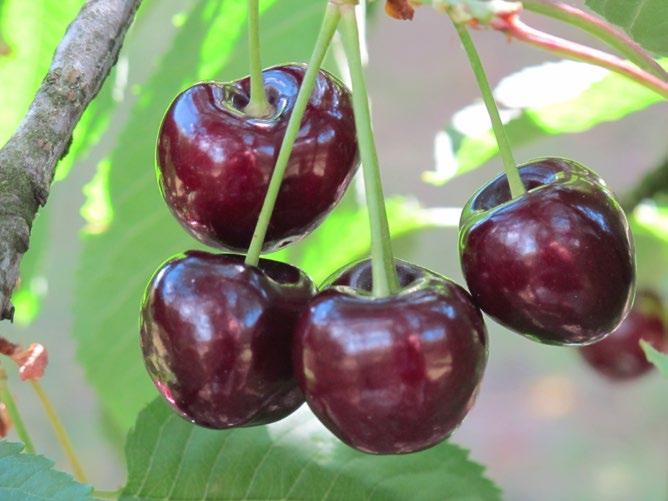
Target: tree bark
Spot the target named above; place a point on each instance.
(81, 63)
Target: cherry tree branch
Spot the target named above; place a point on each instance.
(80, 65)
(515, 28)
(611, 35)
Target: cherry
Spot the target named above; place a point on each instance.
(215, 161)
(216, 336)
(619, 356)
(555, 264)
(393, 374)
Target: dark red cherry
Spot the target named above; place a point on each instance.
(555, 264)
(217, 335)
(395, 374)
(619, 356)
(215, 162)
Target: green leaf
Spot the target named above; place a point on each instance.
(169, 458)
(646, 21)
(137, 231)
(565, 97)
(26, 477)
(656, 357)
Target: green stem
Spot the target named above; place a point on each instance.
(384, 274)
(61, 434)
(259, 105)
(509, 165)
(7, 398)
(327, 30)
(597, 27)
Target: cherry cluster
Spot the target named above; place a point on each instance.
(229, 343)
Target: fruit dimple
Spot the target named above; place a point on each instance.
(359, 275)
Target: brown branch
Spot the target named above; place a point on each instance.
(80, 65)
(515, 28)
(611, 35)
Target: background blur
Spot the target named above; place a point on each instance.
(545, 425)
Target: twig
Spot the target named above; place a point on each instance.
(597, 27)
(80, 65)
(515, 28)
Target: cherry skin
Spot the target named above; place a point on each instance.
(555, 264)
(619, 356)
(215, 162)
(395, 374)
(216, 335)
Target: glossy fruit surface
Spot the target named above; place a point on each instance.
(395, 374)
(215, 162)
(556, 264)
(619, 356)
(217, 334)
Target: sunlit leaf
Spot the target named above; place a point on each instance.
(553, 98)
(169, 458)
(26, 477)
(645, 20)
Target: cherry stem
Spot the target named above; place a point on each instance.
(7, 398)
(259, 105)
(385, 281)
(512, 173)
(327, 30)
(514, 27)
(61, 434)
(597, 27)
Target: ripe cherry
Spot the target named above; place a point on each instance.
(215, 161)
(393, 374)
(619, 356)
(555, 264)
(217, 334)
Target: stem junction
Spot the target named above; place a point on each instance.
(259, 104)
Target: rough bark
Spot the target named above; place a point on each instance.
(80, 65)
